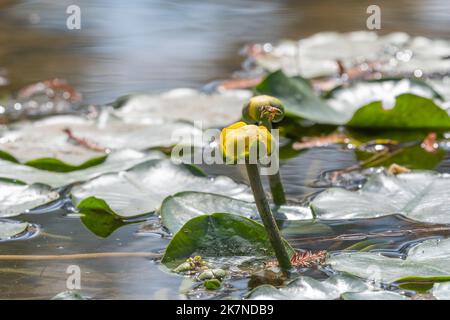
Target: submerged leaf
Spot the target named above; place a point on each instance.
(422, 196)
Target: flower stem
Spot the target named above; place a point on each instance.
(276, 186)
(268, 220)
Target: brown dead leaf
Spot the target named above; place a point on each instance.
(396, 169)
(315, 142)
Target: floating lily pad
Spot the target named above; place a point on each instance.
(393, 54)
(215, 110)
(218, 235)
(426, 262)
(422, 196)
(373, 295)
(68, 143)
(11, 229)
(395, 104)
(98, 217)
(335, 287)
(116, 161)
(141, 189)
(177, 209)
(299, 99)
(441, 291)
(17, 198)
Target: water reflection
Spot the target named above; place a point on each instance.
(154, 45)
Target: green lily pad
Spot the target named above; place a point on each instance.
(422, 196)
(299, 99)
(414, 157)
(116, 161)
(179, 208)
(211, 110)
(409, 112)
(68, 143)
(397, 104)
(218, 235)
(17, 198)
(425, 263)
(98, 217)
(141, 189)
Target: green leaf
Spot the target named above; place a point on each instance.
(414, 157)
(116, 161)
(98, 217)
(299, 99)
(52, 164)
(410, 112)
(67, 143)
(425, 263)
(218, 235)
(179, 208)
(141, 189)
(362, 105)
(420, 284)
(422, 196)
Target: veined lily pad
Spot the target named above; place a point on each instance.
(406, 104)
(427, 263)
(116, 161)
(216, 110)
(67, 143)
(141, 189)
(218, 235)
(422, 196)
(177, 209)
(17, 198)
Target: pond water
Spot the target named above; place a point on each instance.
(156, 45)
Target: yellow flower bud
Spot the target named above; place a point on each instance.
(245, 141)
(263, 108)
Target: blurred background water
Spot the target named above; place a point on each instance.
(135, 46)
(151, 46)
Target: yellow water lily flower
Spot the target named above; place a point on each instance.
(263, 108)
(248, 142)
